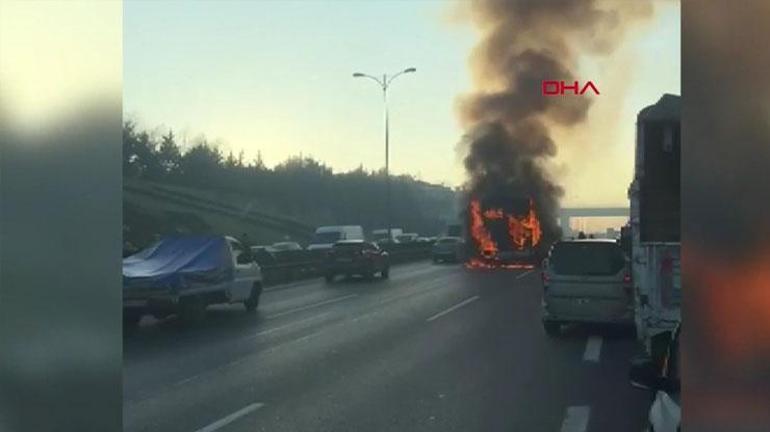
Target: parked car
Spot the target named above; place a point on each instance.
(287, 252)
(357, 257)
(326, 236)
(407, 237)
(586, 281)
(184, 274)
(447, 249)
(262, 255)
(284, 246)
(662, 378)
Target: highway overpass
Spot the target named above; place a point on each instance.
(567, 213)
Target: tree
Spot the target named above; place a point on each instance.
(201, 163)
(169, 154)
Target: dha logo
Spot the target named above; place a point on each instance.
(557, 88)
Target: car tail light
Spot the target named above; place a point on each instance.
(627, 278)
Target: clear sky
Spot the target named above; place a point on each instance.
(275, 77)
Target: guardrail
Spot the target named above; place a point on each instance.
(289, 266)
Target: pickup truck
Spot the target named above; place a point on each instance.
(182, 275)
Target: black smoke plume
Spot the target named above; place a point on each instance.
(507, 119)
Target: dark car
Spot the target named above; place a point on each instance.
(447, 249)
(357, 257)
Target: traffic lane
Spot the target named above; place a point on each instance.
(161, 336)
(167, 354)
(485, 366)
(409, 268)
(288, 370)
(482, 366)
(454, 379)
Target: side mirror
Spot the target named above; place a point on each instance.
(645, 374)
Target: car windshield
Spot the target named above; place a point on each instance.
(327, 237)
(587, 259)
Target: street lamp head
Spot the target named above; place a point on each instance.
(358, 75)
(411, 69)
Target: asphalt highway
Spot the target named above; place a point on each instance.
(433, 348)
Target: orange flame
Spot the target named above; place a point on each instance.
(479, 232)
(526, 229)
(524, 232)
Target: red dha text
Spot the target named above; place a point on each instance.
(558, 88)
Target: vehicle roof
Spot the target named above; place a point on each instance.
(668, 107)
(352, 241)
(334, 228)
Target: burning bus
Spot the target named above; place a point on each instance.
(504, 232)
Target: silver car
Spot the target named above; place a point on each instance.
(586, 281)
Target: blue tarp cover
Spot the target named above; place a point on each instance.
(175, 262)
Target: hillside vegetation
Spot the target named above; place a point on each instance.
(199, 189)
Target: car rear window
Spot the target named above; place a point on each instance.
(587, 259)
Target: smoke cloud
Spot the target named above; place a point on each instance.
(507, 119)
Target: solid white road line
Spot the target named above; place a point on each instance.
(593, 349)
(224, 421)
(455, 307)
(576, 419)
(311, 306)
(524, 274)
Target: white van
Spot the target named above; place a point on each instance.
(326, 236)
(381, 235)
(586, 281)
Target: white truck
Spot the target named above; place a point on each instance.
(381, 235)
(182, 275)
(654, 196)
(326, 236)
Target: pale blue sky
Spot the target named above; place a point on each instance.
(276, 77)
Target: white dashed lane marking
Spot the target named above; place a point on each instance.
(224, 421)
(524, 274)
(593, 349)
(453, 308)
(576, 419)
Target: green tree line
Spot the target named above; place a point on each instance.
(300, 187)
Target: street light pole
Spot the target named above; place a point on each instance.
(384, 84)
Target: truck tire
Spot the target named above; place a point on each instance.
(252, 302)
(192, 310)
(552, 328)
